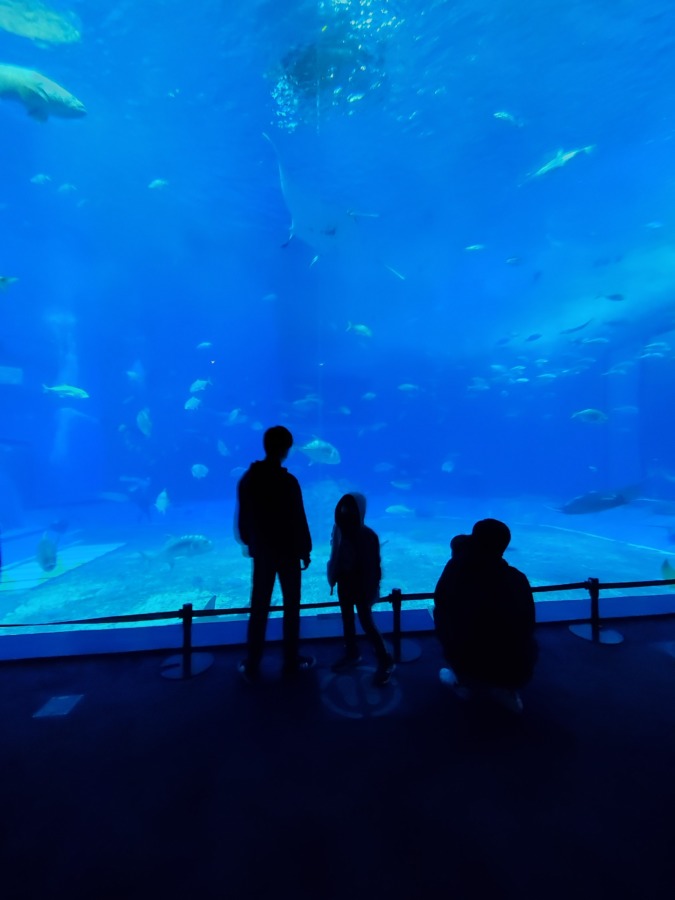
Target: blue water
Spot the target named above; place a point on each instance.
(441, 312)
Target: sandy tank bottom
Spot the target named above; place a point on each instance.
(117, 568)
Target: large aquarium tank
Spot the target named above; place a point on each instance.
(436, 240)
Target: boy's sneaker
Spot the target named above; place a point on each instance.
(450, 680)
(383, 674)
(346, 662)
(510, 700)
(301, 664)
(448, 677)
(250, 675)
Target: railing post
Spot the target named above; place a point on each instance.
(186, 664)
(594, 591)
(403, 651)
(396, 604)
(186, 615)
(594, 631)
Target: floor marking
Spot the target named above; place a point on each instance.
(58, 706)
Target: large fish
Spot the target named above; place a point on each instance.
(176, 548)
(319, 451)
(592, 502)
(41, 96)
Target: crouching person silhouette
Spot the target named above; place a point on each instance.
(484, 616)
(355, 567)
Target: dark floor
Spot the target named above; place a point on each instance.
(329, 789)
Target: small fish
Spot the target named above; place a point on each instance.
(199, 470)
(533, 337)
(199, 385)
(667, 571)
(205, 345)
(136, 373)
(270, 298)
(369, 395)
(383, 467)
(5, 281)
(40, 178)
(46, 554)
(474, 247)
(620, 368)
(408, 388)
(66, 390)
(362, 330)
(237, 472)
(319, 451)
(222, 448)
(595, 340)
(560, 159)
(162, 502)
(401, 485)
(448, 465)
(307, 404)
(66, 188)
(503, 116)
(193, 403)
(157, 183)
(594, 416)
(395, 272)
(576, 327)
(236, 417)
(616, 297)
(398, 509)
(144, 422)
(513, 260)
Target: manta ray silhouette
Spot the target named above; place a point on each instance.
(323, 226)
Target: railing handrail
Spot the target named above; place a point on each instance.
(245, 610)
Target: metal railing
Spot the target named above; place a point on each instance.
(184, 664)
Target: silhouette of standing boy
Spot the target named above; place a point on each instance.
(272, 524)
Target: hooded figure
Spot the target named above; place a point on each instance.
(355, 568)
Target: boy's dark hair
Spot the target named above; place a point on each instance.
(491, 536)
(277, 441)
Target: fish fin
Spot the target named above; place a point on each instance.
(38, 111)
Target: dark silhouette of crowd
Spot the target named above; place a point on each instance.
(483, 607)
